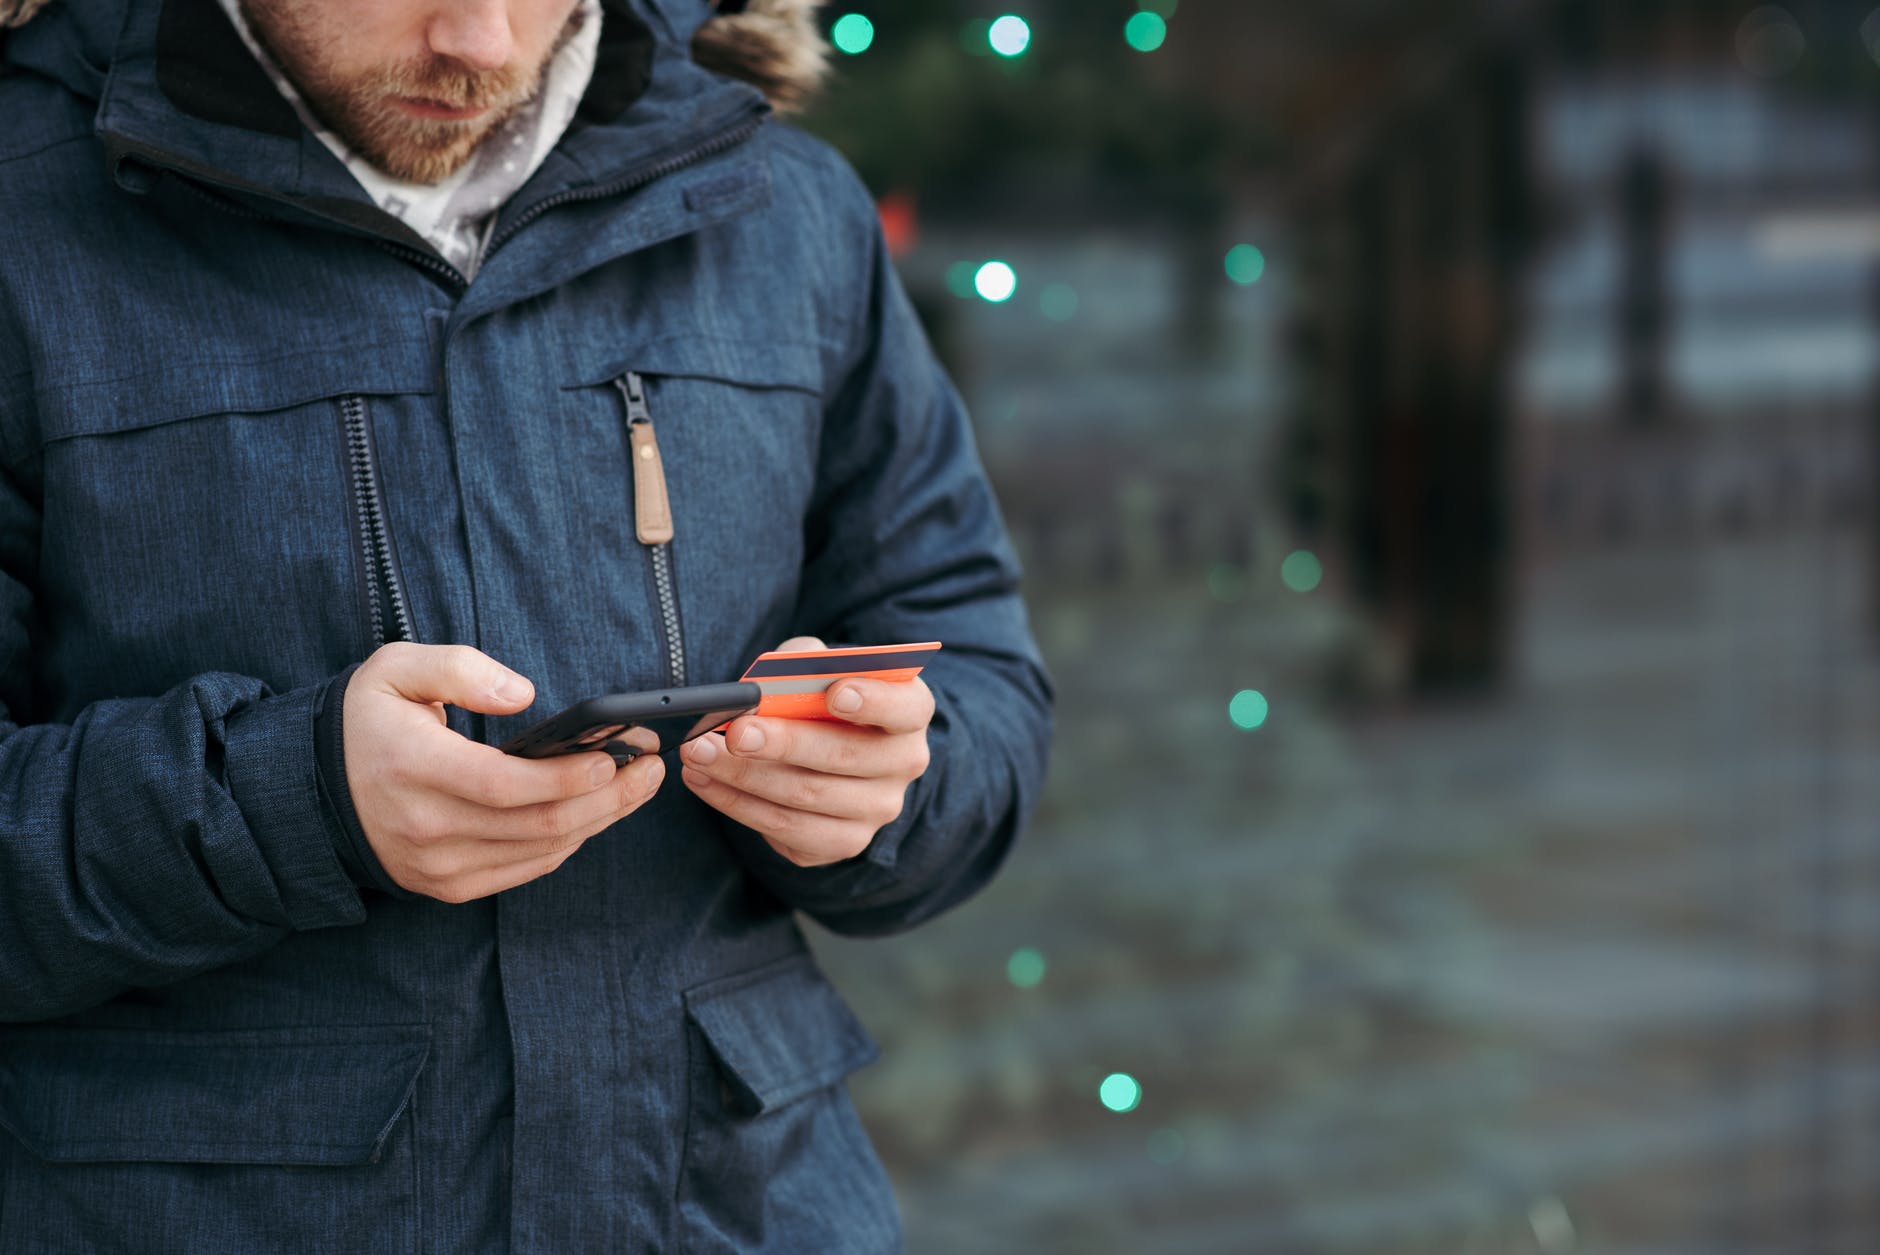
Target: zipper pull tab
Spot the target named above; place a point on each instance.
(652, 509)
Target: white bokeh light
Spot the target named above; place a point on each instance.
(1009, 36)
(995, 281)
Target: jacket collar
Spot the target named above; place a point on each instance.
(181, 92)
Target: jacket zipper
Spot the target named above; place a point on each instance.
(652, 519)
(385, 589)
(201, 187)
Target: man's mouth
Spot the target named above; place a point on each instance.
(438, 110)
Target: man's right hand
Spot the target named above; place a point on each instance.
(455, 820)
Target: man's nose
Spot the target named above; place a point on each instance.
(473, 32)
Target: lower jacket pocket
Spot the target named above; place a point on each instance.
(253, 1141)
(775, 1157)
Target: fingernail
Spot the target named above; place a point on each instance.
(511, 688)
(703, 751)
(846, 700)
(751, 739)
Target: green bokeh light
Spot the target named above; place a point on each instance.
(1301, 571)
(1025, 968)
(1226, 582)
(1248, 709)
(995, 282)
(1245, 264)
(1145, 32)
(1058, 302)
(852, 33)
(1166, 1146)
(1009, 35)
(1120, 1092)
(960, 279)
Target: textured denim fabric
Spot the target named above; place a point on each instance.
(217, 1033)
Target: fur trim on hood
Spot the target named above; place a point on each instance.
(773, 44)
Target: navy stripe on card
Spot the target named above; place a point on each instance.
(856, 663)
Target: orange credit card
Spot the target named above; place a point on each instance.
(794, 681)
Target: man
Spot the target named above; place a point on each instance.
(502, 346)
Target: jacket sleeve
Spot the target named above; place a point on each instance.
(150, 838)
(905, 543)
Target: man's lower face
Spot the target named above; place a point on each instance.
(418, 119)
(420, 122)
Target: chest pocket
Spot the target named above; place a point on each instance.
(232, 1141)
(204, 520)
(703, 455)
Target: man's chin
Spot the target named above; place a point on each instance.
(421, 163)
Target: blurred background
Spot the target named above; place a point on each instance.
(1441, 437)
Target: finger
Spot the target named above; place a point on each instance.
(485, 776)
(459, 821)
(632, 787)
(892, 705)
(798, 644)
(837, 749)
(482, 884)
(813, 792)
(456, 674)
(807, 839)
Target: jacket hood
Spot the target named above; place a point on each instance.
(775, 45)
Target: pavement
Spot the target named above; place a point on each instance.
(1587, 964)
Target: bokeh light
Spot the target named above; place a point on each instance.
(1145, 31)
(1301, 571)
(960, 279)
(1025, 968)
(1769, 41)
(852, 33)
(1120, 1092)
(1245, 264)
(995, 281)
(1248, 709)
(1009, 35)
(1058, 302)
(1166, 1146)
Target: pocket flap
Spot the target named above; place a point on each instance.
(781, 1031)
(747, 363)
(276, 1096)
(179, 388)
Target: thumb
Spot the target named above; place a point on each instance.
(797, 644)
(455, 674)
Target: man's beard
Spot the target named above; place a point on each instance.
(360, 109)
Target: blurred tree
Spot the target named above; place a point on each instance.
(1075, 127)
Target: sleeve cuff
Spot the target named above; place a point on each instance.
(329, 741)
(269, 760)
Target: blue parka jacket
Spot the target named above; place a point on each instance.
(249, 428)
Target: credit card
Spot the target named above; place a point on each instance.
(794, 681)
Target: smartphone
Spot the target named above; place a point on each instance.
(782, 684)
(625, 725)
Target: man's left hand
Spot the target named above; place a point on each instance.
(818, 792)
